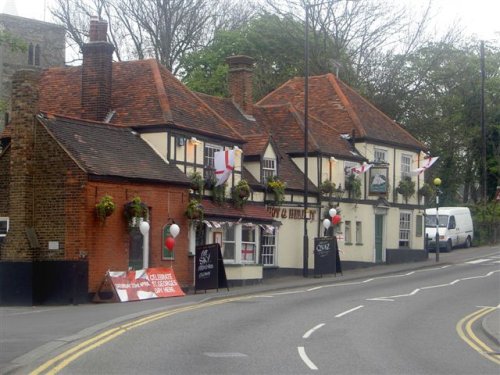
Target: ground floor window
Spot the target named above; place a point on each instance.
(4, 228)
(359, 233)
(248, 244)
(268, 249)
(229, 242)
(404, 229)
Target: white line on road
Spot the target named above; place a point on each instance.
(306, 359)
(311, 331)
(349, 311)
(478, 261)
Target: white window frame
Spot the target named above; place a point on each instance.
(209, 154)
(405, 229)
(268, 168)
(359, 233)
(268, 248)
(348, 232)
(380, 155)
(3, 235)
(405, 165)
(245, 245)
(232, 241)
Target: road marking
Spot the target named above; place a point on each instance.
(305, 358)
(414, 292)
(312, 330)
(464, 330)
(349, 311)
(225, 355)
(477, 261)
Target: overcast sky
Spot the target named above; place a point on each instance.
(480, 17)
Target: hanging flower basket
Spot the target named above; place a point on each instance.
(135, 212)
(105, 207)
(277, 187)
(194, 210)
(241, 193)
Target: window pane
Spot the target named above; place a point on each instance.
(348, 237)
(269, 248)
(3, 227)
(228, 245)
(359, 238)
(404, 229)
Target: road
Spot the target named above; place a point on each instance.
(416, 322)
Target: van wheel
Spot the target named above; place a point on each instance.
(468, 242)
(449, 246)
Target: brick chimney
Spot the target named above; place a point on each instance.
(240, 81)
(97, 72)
(25, 84)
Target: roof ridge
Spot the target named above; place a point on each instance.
(384, 115)
(347, 104)
(160, 89)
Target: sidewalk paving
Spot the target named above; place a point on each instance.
(27, 333)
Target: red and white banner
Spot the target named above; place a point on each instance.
(362, 168)
(224, 165)
(145, 284)
(427, 164)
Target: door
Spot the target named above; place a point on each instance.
(135, 258)
(379, 237)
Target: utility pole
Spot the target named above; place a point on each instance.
(483, 131)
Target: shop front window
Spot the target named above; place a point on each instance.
(248, 244)
(228, 243)
(268, 249)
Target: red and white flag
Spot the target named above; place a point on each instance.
(427, 164)
(362, 168)
(224, 165)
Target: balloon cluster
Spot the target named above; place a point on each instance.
(335, 219)
(170, 240)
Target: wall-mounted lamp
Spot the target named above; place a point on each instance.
(195, 141)
(237, 150)
(332, 159)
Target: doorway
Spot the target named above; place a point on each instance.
(379, 237)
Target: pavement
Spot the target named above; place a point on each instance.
(28, 333)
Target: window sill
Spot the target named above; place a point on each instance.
(359, 243)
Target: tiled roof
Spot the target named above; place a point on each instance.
(144, 93)
(340, 107)
(94, 148)
(249, 211)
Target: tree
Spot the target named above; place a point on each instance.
(165, 30)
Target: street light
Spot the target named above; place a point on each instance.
(305, 260)
(437, 183)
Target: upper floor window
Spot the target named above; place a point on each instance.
(405, 165)
(380, 155)
(30, 54)
(37, 55)
(268, 169)
(34, 55)
(209, 160)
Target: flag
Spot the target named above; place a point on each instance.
(428, 163)
(224, 165)
(362, 168)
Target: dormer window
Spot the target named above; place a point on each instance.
(268, 169)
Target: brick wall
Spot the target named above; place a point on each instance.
(240, 81)
(4, 182)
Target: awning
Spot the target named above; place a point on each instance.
(225, 213)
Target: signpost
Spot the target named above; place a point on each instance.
(326, 256)
(209, 268)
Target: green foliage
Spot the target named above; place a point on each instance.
(13, 42)
(135, 210)
(277, 187)
(105, 208)
(486, 218)
(194, 210)
(406, 188)
(219, 194)
(241, 193)
(353, 186)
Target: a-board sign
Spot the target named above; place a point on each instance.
(326, 256)
(209, 268)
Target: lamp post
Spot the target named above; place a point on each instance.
(305, 255)
(437, 183)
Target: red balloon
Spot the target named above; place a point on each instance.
(170, 243)
(336, 219)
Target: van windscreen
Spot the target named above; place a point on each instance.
(430, 221)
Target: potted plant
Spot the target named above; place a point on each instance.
(197, 181)
(241, 193)
(194, 210)
(135, 212)
(277, 187)
(353, 186)
(219, 194)
(406, 188)
(105, 207)
(426, 191)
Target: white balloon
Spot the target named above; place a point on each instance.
(144, 227)
(174, 230)
(327, 223)
(332, 212)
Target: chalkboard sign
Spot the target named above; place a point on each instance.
(209, 268)
(326, 256)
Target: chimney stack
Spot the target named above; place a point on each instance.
(240, 81)
(97, 72)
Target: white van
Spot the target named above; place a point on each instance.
(455, 227)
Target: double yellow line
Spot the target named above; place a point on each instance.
(464, 330)
(56, 364)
